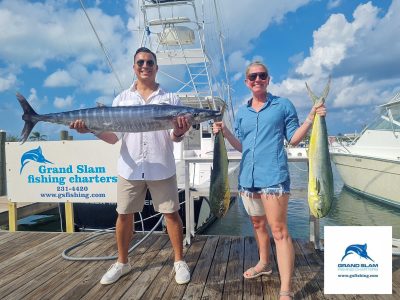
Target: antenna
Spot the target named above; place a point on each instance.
(101, 45)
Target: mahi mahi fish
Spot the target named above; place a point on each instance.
(220, 195)
(320, 179)
(139, 118)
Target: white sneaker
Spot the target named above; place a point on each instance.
(115, 272)
(182, 272)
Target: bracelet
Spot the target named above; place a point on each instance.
(95, 132)
(177, 136)
(308, 120)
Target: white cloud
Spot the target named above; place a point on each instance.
(334, 3)
(60, 78)
(7, 81)
(361, 54)
(246, 20)
(34, 99)
(62, 103)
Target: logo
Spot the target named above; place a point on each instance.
(358, 260)
(33, 155)
(361, 250)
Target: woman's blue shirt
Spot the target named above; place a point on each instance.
(262, 134)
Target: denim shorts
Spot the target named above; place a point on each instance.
(251, 197)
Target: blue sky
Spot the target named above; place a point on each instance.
(49, 53)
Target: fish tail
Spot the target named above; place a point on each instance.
(28, 115)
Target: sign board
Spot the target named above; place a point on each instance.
(62, 171)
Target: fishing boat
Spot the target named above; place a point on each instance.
(370, 165)
(179, 32)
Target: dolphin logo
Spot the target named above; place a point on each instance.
(361, 250)
(34, 155)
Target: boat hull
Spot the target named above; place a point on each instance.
(374, 177)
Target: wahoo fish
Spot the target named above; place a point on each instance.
(139, 118)
(320, 179)
(361, 250)
(220, 194)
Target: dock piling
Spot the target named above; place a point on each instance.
(3, 188)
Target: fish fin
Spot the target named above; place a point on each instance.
(326, 90)
(311, 94)
(27, 117)
(317, 185)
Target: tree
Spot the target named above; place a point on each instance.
(12, 138)
(37, 136)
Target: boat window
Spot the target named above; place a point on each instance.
(192, 140)
(384, 121)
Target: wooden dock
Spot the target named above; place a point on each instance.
(31, 267)
(23, 209)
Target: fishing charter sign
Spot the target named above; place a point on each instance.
(62, 171)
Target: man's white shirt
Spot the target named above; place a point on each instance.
(146, 155)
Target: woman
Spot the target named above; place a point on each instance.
(261, 127)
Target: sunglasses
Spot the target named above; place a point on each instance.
(261, 75)
(149, 63)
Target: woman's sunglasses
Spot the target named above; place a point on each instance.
(141, 62)
(253, 76)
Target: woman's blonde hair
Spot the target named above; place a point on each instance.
(256, 63)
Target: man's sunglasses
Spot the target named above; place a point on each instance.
(141, 62)
(253, 76)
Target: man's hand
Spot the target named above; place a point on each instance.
(181, 125)
(80, 126)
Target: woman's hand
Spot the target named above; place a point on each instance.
(217, 126)
(319, 109)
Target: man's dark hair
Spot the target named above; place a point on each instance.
(146, 50)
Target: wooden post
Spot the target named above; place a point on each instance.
(63, 135)
(69, 217)
(69, 208)
(3, 186)
(12, 217)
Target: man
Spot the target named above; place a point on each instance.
(146, 161)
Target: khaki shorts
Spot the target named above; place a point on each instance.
(132, 193)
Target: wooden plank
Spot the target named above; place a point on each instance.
(18, 261)
(139, 287)
(305, 278)
(9, 236)
(234, 279)
(164, 286)
(216, 276)
(47, 283)
(271, 283)
(44, 264)
(252, 288)
(195, 287)
(15, 246)
(138, 261)
(217, 264)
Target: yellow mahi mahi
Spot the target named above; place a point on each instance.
(320, 179)
(220, 195)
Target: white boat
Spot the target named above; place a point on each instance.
(370, 165)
